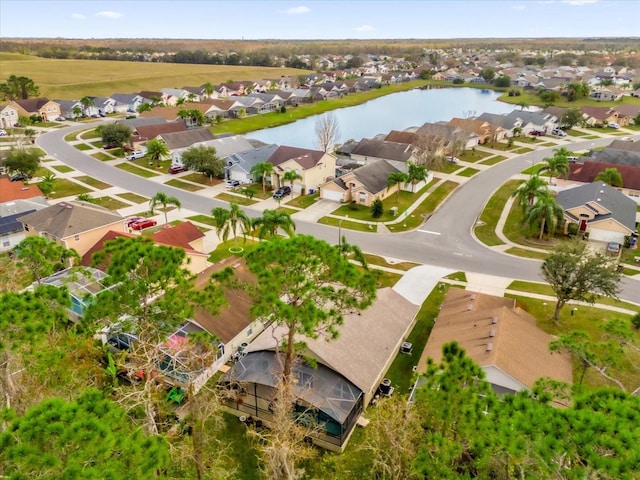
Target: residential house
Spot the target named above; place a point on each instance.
(101, 106)
(588, 171)
(628, 110)
(246, 105)
(529, 121)
(128, 102)
(155, 97)
(238, 165)
(314, 166)
(337, 379)
(141, 121)
(607, 94)
(601, 116)
(45, 108)
(16, 200)
(77, 225)
(143, 133)
(499, 337)
(172, 114)
(600, 210)
(222, 108)
(180, 140)
(174, 96)
(370, 151)
(618, 152)
(486, 131)
(442, 135)
(70, 108)
(224, 147)
(199, 93)
(230, 89)
(272, 102)
(8, 115)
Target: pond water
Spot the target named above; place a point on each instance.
(391, 112)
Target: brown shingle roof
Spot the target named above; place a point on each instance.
(186, 138)
(17, 190)
(400, 152)
(70, 218)
(518, 347)
(304, 157)
(586, 173)
(180, 235)
(32, 105)
(99, 245)
(152, 131)
(409, 138)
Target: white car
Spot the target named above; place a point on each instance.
(135, 154)
(613, 125)
(558, 132)
(3, 133)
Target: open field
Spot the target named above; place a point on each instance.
(73, 79)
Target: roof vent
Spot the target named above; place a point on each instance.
(472, 296)
(469, 307)
(492, 332)
(494, 320)
(489, 347)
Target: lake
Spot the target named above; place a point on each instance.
(391, 112)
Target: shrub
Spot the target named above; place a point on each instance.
(377, 209)
(636, 320)
(572, 229)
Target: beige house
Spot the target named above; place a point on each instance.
(314, 166)
(603, 212)
(8, 116)
(485, 131)
(498, 336)
(77, 225)
(47, 109)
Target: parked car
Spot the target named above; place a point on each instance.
(558, 132)
(572, 159)
(20, 177)
(102, 114)
(3, 132)
(281, 192)
(232, 183)
(613, 248)
(627, 139)
(135, 154)
(131, 220)
(109, 146)
(538, 133)
(176, 169)
(144, 223)
(613, 125)
(61, 119)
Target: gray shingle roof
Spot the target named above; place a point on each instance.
(186, 138)
(382, 149)
(374, 175)
(248, 158)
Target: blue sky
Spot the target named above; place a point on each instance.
(311, 19)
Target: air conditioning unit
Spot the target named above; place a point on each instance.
(386, 390)
(406, 347)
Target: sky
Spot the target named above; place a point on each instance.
(319, 19)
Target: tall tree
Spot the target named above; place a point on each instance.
(25, 161)
(546, 213)
(43, 257)
(262, 170)
(164, 200)
(271, 221)
(157, 150)
(528, 190)
(556, 165)
(231, 222)
(327, 132)
(116, 134)
(570, 118)
(89, 437)
(77, 111)
(416, 174)
(488, 74)
(397, 178)
(574, 273)
(205, 160)
(291, 176)
(17, 88)
(610, 176)
(87, 103)
(208, 89)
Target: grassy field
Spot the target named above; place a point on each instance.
(132, 197)
(110, 203)
(93, 182)
(183, 185)
(73, 79)
(468, 172)
(65, 188)
(491, 214)
(128, 167)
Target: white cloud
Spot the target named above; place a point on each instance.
(364, 28)
(518, 7)
(297, 10)
(108, 14)
(579, 2)
(78, 16)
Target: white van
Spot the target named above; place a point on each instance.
(135, 154)
(613, 125)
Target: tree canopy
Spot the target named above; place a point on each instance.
(18, 88)
(26, 161)
(205, 160)
(115, 134)
(43, 257)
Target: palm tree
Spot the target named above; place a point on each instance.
(192, 97)
(156, 150)
(208, 89)
(546, 212)
(271, 221)
(86, 103)
(417, 174)
(291, 176)
(77, 111)
(610, 176)
(163, 199)
(529, 190)
(262, 170)
(397, 178)
(228, 221)
(556, 165)
(47, 183)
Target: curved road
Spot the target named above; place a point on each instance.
(444, 240)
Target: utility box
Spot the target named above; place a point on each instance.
(394, 211)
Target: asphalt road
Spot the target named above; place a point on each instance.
(445, 240)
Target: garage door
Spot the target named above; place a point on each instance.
(605, 236)
(331, 195)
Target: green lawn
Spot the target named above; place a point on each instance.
(93, 182)
(502, 146)
(64, 188)
(183, 185)
(97, 144)
(533, 169)
(288, 211)
(222, 250)
(133, 197)
(494, 160)
(62, 168)
(201, 179)
(228, 197)
(525, 253)
(90, 134)
(468, 172)
(460, 276)
(304, 201)
(103, 157)
(523, 150)
(207, 220)
(491, 214)
(70, 137)
(128, 167)
(349, 225)
(426, 208)
(110, 203)
(473, 156)
(589, 320)
(161, 166)
(381, 262)
(83, 146)
(575, 133)
(447, 167)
